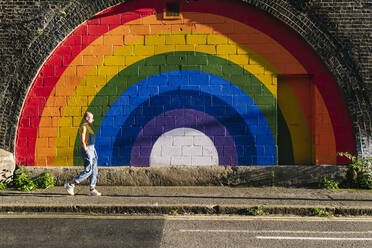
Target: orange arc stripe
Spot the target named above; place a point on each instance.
(318, 119)
(324, 137)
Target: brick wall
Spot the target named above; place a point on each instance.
(338, 31)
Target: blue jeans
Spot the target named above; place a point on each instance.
(90, 166)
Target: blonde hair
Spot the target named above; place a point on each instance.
(86, 115)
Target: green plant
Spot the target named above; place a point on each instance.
(44, 181)
(328, 184)
(256, 211)
(62, 12)
(322, 213)
(22, 182)
(2, 186)
(39, 31)
(359, 174)
(174, 211)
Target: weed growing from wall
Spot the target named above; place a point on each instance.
(359, 174)
(21, 181)
(322, 213)
(255, 211)
(174, 212)
(44, 181)
(39, 32)
(2, 186)
(328, 184)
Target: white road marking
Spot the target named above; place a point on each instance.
(267, 218)
(75, 216)
(16, 215)
(271, 231)
(314, 238)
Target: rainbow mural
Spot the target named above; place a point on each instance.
(216, 76)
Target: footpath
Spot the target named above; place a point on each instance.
(209, 200)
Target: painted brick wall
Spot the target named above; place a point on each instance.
(141, 45)
(27, 28)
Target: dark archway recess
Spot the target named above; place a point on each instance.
(17, 75)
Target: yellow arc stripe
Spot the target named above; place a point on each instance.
(107, 69)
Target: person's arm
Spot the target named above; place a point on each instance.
(82, 138)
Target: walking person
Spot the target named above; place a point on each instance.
(89, 155)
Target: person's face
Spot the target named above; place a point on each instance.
(89, 118)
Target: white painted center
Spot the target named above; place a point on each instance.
(183, 146)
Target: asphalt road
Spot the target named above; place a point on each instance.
(179, 231)
(268, 232)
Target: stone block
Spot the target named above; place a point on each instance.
(73, 111)
(105, 70)
(140, 29)
(149, 70)
(176, 60)
(129, 60)
(182, 140)
(164, 48)
(77, 101)
(97, 29)
(115, 40)
(47, 131)
(175, 40)
(111, 19)
(158, 60)
(114, 60)
(185, 48)
(181, 160)
(7, 166)
(196, 39)
(144, 50)
(208, 150)
(124, 50)
(170, 151)
(192, 150)
(202, 161)
(216, 40)
(226, 49)
(155, 40)
(239, 59)
(209, 49)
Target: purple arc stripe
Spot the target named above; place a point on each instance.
(188, 118)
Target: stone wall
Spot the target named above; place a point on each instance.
(7, 166)
(340, 32)
(244, 176)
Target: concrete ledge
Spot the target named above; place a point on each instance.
(186, 209)
(284, 176)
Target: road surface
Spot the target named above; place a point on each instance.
(35, 230)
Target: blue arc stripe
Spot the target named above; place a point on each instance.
(196, 90)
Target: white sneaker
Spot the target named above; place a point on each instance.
(70, 188)
(94, 192)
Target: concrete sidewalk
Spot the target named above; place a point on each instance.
(189, 200)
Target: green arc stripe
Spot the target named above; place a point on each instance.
(285, 151)
(173, 61)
